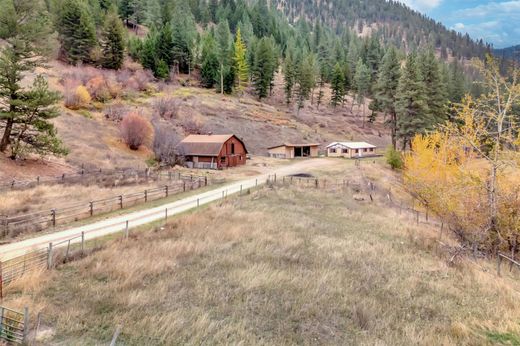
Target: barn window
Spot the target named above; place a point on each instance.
(232, 148)
(332, 150)
(223, 159)
(344, 151)
(357, 151)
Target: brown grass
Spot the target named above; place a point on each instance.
(281, 266)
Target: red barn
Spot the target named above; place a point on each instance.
(212, 151)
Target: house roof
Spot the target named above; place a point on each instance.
(204, 145)
(292, 145)
(352, 145)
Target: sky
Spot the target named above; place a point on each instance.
(496, 22)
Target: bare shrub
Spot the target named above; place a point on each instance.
(135, 130)
(116, 111)
(166, 107)
(165, 140)
(192, 126)
(98, 89)
(142, 79)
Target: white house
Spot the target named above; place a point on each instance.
(351, 150)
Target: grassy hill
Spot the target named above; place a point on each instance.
(281, 266)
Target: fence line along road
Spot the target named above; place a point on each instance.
(41, 220)
(135, 219)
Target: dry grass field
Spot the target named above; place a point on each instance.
(279, 266)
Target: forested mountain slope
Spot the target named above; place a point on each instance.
(394, 21)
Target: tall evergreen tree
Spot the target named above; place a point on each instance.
(362, 83)
(112, 42)
(77, 31)
(411, 104)
(386, 88)
(210, 64)
(436, 89)
(240, 62)
(337, 85)
(289, 71)
(223, 37)
(305, 80)
(24, 113)
(264, 67)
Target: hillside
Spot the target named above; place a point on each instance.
(508, 53)
(392, 20)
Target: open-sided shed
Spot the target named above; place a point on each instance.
(291, 151)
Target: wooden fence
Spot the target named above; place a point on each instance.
(13, 325)
(41, 220)
(81, 176)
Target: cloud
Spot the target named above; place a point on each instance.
(507, 8)
(495, 22)
(422, 5)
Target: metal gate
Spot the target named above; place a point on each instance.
(13, 325)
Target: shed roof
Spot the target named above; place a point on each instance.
(352, 145)
(204, 145)
(292, 145)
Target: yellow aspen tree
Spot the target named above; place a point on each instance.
(240, 63)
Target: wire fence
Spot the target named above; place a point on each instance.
(63, 250)
(45, 219)
(82, 176)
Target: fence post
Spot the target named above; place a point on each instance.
(184, 186)
(1, 320)
(82, 242)
(146, 196)
(205, 181)
(126, 230)
(91, 208)
(25, 323)
(38, 180)
(317, 183)
(198, 202)
(166, 215)
(166, 192)
(67, 253)
(275, 178)
(241, 187)
(1, 293)
(256, 182)
(121, 201)
(499, 261)
(49, 257)
(53, 215)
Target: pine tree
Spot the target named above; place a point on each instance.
(337, 85)
(223, 36)
(24, 113)
(436, 89)
(411, 105)
(305, 81)
(77, 32)
(240, 63)
(289, 77)
(362, 84)
(209, 72)
(184, 37)
(321, 94)
(112, 42)
(164, 45)
(264, 67)
(386, 88)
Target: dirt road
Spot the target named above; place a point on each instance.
(142, 217)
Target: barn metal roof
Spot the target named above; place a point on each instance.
(291, 145)
(352, 145)
(204, 145)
